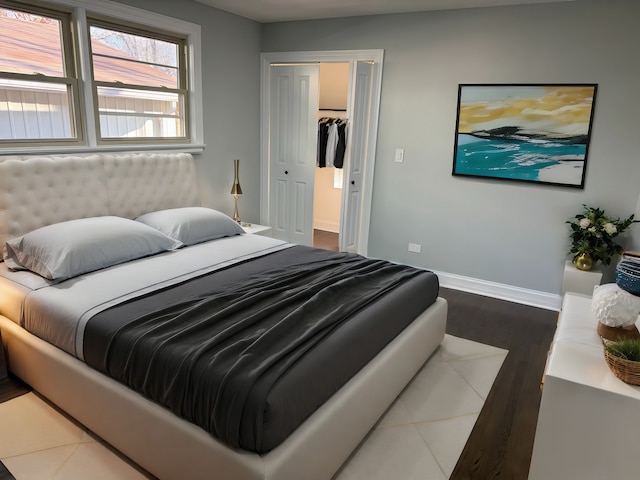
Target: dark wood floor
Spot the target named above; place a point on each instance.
(325, 240)
(10, 386)
(501, 442)
(5, 474)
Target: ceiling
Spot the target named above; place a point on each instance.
(267, 11)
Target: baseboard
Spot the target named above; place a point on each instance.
(326, 226)
(524, 296)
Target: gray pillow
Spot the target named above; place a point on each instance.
(192, 225)
(67, 249)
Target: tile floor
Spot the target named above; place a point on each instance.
(421, 435)
(424, 432)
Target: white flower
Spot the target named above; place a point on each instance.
(610, 228)
(584, 222)
(592, 230)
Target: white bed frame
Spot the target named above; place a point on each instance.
(38, 191)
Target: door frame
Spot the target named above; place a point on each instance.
(328, 56)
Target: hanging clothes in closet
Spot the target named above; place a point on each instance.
(332, 142)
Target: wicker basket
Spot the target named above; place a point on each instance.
(613, 334)
(625, 370)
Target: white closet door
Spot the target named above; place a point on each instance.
(357, 142)
(293, 141)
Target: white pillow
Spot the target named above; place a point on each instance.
(192, 225)
(67, 249)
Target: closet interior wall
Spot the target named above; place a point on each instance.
(334, 89)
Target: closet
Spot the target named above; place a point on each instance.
(291, 109)
(333, 131)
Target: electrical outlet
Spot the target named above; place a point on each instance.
(415, 248)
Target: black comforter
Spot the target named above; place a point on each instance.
(249, 352)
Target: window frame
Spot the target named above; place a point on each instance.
(183, 76)
(122, 16)
(70, 77)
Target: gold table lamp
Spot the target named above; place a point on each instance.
(236, 190)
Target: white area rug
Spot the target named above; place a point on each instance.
(424, 432)
(420, 437)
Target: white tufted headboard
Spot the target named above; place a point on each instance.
(41, 190)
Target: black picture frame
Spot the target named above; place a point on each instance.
(536, 133)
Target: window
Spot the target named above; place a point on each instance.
(139, 80)
(38, 79)
(140, 88)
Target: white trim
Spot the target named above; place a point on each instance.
(377, 56)
(52, 149)
(510, 293)
(327, 226)
(86, 89)
(146, 18)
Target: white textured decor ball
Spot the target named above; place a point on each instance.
(614, 306)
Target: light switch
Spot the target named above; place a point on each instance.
(399, 155)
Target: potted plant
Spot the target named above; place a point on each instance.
(592, 237)
(623, 358)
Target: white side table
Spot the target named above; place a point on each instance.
(589, 419)
(579, 281)
(256, 229)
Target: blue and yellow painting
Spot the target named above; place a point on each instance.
(537, 133)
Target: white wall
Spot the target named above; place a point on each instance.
(327, 200)
(494, 231)
(334, 86)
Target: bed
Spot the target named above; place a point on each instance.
(295, 438)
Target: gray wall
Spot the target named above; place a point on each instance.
(231, 83)
(497, 231)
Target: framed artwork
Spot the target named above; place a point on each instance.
(526, 132)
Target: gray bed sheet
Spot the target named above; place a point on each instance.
(58, 312)
(249, 352)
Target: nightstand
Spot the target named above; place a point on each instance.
(256, 229)
(580, 281)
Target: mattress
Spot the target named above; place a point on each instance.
(57, 312)
(250, 398)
